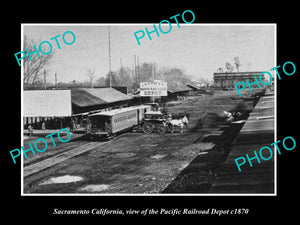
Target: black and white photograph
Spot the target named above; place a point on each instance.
(123, 115)
(138, 112)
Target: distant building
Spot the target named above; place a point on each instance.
(195, 89)
(178, 93)
(228, 80)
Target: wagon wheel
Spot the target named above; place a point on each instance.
(172, 129)
(148, 127)
(134, 129)
(161, 129)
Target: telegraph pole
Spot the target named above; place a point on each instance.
(153, 71)
(153, 98)
(135, 73)
(109, 57)
(45, 79)
(55, 81)
(138, 65)
(121, 69)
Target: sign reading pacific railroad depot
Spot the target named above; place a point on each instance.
(156, 88)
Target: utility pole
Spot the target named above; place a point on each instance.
(121, 69)
(55, 81)
(153, 71)
(45, 85)
(109, 72)
(153, 98)
(135, 66)
(138, 65)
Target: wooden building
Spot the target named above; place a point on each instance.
(91, 99)
(46, 108)
(54, 109)
(195, 90)
(226, 81)
(178, 93)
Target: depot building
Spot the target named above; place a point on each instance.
(55, 109)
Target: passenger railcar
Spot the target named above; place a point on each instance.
(108, 123)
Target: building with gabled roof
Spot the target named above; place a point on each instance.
(56, 107)
(91, 99)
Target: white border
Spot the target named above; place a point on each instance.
(275, 110)
(149, 24)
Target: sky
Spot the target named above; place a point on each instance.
(198, 49)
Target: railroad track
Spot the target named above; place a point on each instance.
(46, 163)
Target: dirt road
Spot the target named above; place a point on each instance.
(141, 163)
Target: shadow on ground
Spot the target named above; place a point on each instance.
(200, 174)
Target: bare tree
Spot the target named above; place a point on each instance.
(237, 63)
(91, 76)
(33, 69)
(175, 77)
(228, 67)
(124, 76)
(203, 82)
(220, 70)
(111, 78)
(141, 74)
(100, 81)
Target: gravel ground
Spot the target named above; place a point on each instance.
(149, 164)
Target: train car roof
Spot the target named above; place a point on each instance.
(141, 106)
(118, 111)
(154, 113)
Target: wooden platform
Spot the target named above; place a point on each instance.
(257, 132)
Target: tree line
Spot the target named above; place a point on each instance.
(229, 67)
(34, 72)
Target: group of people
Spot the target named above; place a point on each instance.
(231, 116)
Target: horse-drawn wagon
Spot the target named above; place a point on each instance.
(154, 120)
(162, 123)
(106, 124)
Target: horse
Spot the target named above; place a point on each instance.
(185, 120)
(179, 123)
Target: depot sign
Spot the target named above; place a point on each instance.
(156, 88)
